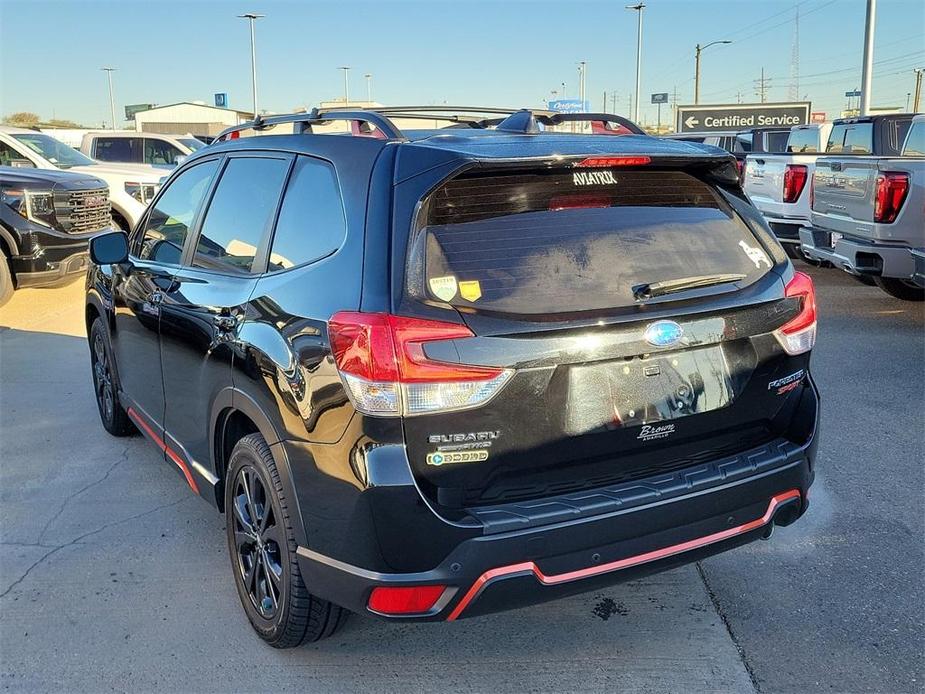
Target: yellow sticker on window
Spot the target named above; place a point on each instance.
(443, 287)
(470, 290)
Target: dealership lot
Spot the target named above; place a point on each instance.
(113, 576)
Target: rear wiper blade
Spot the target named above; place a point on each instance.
(653, 289)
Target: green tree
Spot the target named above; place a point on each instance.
(23, 119)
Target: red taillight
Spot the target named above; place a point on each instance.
(891, 194)
(798, 335)
(794, 181)
(578, 202)
(613, 161)
(382, 359)
(404, 599)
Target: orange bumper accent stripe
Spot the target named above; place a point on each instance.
(172, 454)
(529, 567)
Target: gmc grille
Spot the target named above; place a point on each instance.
(82, 211)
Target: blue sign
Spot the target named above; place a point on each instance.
(569, 106)
(221, 99)
(854, 93)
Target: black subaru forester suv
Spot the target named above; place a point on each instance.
(433, 374)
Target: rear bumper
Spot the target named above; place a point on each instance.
(857, 256)
(724, 504)
(918, 260)
(786, 230)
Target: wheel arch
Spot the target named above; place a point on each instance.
(234, 415)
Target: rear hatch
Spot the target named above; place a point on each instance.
(843, 194)
(630, 308)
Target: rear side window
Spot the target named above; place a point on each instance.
(311, 222)
(851, 138)
(239, 214)
(124, 149)
(775, 141)
(158, 152)
(803, 141)
(569, 241)
(172, 215)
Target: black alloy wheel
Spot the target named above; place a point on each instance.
(258, 541)
(105, 385)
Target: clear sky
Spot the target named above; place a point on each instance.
(511, 53)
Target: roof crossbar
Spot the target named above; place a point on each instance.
(509, 120)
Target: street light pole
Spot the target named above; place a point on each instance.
(867, 69)
(346, 69)
(638, 8)
(918, 89)
(369, 88)
(112, 103)
(251, 17)
(698, 49)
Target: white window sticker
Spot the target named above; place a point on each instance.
(755, 254)
(444, 288)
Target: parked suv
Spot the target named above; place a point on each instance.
(46, 219)
(439, 373)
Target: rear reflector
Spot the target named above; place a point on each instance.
(382, 361)
(613, 161)
(799, 334)
(794, 181)
(891, 194)
(404, 599)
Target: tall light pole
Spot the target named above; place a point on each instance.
(918, 89)
(251, 18)
(112, 103)
(638, 8)
(698, 49)
(564, 91)
(582, 84)
(867, 69)
(369, 87)
(346, 69)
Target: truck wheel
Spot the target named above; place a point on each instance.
(262, 548)
(6, 280)
(105, 387)
(901, 289)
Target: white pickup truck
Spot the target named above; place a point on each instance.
(868, 213)
(131, 187)
(130, 147)
(778, 184)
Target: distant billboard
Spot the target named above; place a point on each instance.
(221, 99)
(660, 98)
(720, 117)
(132, 109)
(569, 106)
(817, 117)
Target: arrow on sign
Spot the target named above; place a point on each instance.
(691, 122)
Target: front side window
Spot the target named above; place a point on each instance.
(172, 215)
(118, 149)
(240, 213)
(160, 153)
(311, 221)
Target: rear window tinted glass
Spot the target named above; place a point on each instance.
(851, 138)
(311, 221)
(803, 141)
(915, 141)
(124, 149)
(556, 242)
(775, 141)
(239, 213)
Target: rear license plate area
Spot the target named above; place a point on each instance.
(637, 391)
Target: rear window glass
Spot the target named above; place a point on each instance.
(776, 141)
(803, 141)
(851, 138)
(569, 241)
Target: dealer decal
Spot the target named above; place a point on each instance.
(593, 178)
(653, 433)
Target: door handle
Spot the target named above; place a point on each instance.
(155, 297)
(225, 324)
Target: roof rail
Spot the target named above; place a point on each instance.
(510, 120)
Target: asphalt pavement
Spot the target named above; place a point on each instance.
(113, 577)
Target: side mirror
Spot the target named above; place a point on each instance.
(180, 159)
(110, 248)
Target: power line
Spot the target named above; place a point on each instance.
(761, 87)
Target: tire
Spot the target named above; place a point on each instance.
(6, 280)
(105, 384)
(900, 289)
(279, 606)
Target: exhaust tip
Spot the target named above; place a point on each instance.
(786, 513)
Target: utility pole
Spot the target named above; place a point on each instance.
(918, 89)
(604, 108)
(761, 87)
(739, 97)
(251, 18)
(564, 90)
(613, 98)
(369, 88)
(638, 8)
(867, 70)
(112, 103)
(346, 69)
(698, 49)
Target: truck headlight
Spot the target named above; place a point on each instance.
(35, 205)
